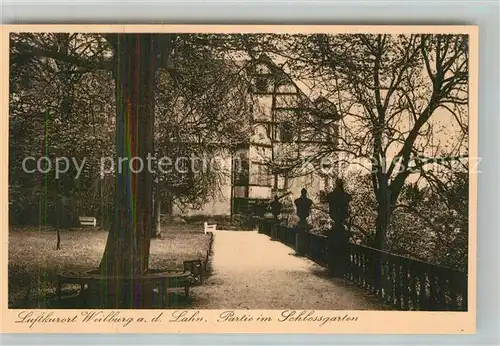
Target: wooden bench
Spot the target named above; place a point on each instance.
(88, 221)
(92, 281)
(209, 228)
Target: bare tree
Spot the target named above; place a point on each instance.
(387, 89)
(182, 58)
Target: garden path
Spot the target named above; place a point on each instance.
(249, 271)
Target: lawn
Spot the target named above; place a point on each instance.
(34, 262)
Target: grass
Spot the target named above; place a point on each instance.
(34, 261)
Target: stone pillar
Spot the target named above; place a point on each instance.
(337, 250)
(331, 251)
(276, 207)
(274, 229)
(303, 205)
(338, 203)
(301, 239)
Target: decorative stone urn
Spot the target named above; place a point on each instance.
(338, 237)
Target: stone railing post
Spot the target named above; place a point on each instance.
(274, 229)
(301, 239)
(337, 251)
(338, 238)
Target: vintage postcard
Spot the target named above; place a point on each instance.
(239, 179)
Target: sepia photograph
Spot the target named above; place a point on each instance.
(291, 171)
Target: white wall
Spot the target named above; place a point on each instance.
(219, 203)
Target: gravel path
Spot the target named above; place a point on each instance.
(249, 271)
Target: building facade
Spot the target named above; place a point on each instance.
(286, 131)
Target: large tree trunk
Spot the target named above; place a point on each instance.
(382, 223)
(384, 211)
(386, 200)
(127, 248)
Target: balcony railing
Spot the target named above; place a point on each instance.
(404, 283)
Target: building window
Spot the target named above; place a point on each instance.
(286, 132)
(241, 172)
(281, 183)
(262, 84)
(260, 175)
(286, 88)
(263, 108)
